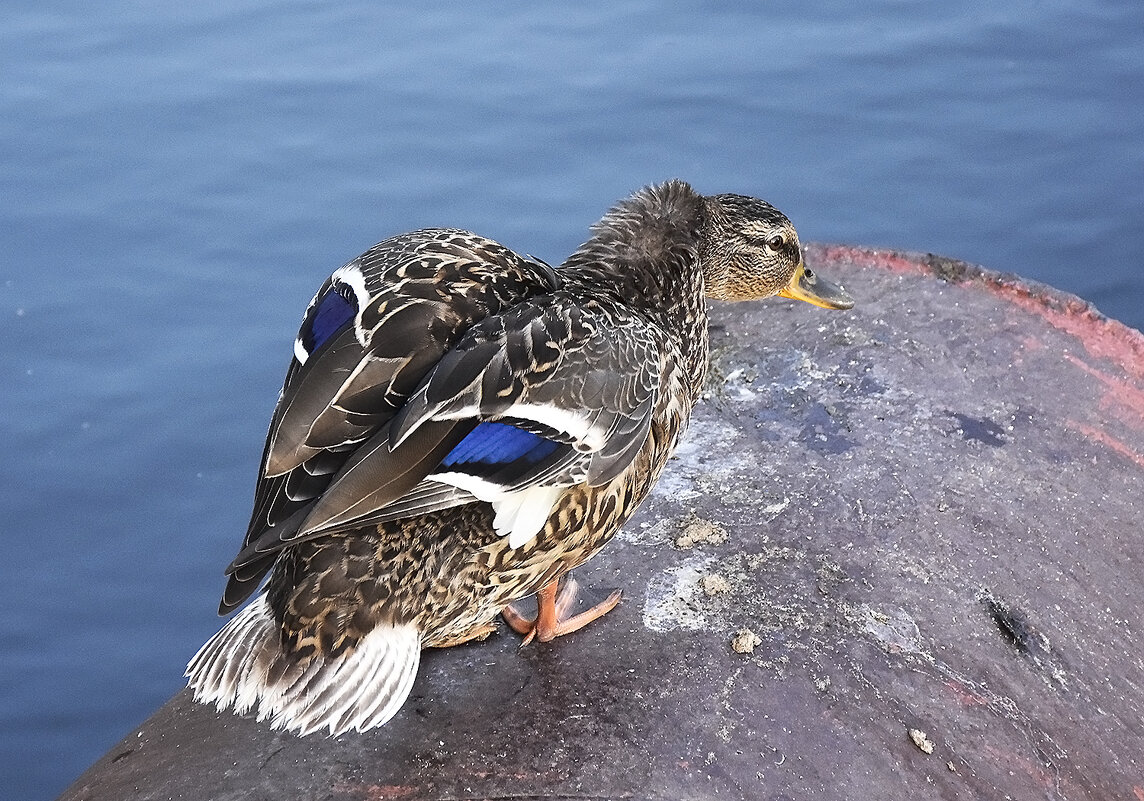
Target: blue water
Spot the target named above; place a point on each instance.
(177, 179)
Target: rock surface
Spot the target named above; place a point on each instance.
(924, 512)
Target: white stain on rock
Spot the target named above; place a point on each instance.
(674, 599)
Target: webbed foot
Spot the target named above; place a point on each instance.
(555, 602)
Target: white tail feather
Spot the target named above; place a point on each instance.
(243, 667)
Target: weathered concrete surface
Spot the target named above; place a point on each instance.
(924, 512)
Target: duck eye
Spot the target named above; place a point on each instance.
(776, 242)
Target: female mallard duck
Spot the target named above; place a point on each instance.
(461, 426)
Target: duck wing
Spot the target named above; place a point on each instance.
(368, 338)
(551, 393)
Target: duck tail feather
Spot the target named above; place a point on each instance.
(243, 667)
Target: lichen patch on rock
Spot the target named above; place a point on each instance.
(744, 641)
(714, 584)
(697, 531)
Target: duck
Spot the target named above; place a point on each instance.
(460, 427)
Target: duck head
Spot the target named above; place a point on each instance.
(750, 250)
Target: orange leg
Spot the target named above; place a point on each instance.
(554, 602)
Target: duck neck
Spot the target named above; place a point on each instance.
(645, 255)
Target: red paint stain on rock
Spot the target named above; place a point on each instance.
(965, 695)
(376, 792)
(891, 260)
(1107, 440)
(1123, 398)
(1100, 336)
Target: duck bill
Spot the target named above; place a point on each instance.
(805, 285)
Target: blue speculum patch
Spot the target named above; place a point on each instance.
(499, 443)
(333, 313)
